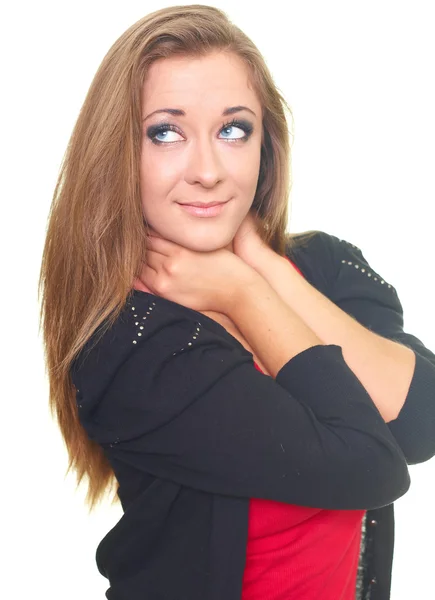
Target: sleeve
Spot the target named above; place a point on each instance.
(187, 405)
(361, 292)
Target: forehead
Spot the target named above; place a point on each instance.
(215, 80)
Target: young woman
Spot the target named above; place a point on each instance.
(251, 393)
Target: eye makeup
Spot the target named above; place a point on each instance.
(243, 124)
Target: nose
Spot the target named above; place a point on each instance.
(204, 162)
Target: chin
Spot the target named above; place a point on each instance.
(208, 245)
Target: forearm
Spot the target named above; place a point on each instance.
(384, 367)
(271, 327)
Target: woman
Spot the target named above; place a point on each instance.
(250, 393)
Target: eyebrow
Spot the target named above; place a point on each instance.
(177, 112)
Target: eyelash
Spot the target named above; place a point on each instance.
(156, 129)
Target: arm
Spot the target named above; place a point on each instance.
(270, 325)
(363, 315)
(383, 366)
(187, 404)
(380, 310)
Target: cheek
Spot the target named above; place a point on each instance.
(156, 172)
(157, 179)
(246, 171)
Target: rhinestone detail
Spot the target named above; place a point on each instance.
(194, 337)
(139, 323)
(361, 269)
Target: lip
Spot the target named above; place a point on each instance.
(211, 210)
(203, 204)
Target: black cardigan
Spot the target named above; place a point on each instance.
(193, 430)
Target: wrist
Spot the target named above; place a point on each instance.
(249, 286)
(269, 264)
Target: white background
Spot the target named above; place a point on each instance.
(359, 77)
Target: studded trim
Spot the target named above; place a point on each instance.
(195, 336)
(361, 268)
(140, 319)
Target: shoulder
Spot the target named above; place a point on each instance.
(315, 253)
(139, 319)
(157, 357)
(144, 318)
(332, 263)
(149, 331)
(317, 244)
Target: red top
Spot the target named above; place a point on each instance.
(300, 553)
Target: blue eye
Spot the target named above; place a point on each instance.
(234, 126)
(162, 128)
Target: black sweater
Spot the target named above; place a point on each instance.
(193, 430)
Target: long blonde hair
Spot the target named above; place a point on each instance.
(95, 241)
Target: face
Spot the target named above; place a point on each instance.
(201, 155)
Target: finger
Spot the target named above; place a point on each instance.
(161, 245)
(148, 275)
(153, 260)
(157, 246)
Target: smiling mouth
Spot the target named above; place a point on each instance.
(203, 205)
(205, 211)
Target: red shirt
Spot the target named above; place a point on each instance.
(300, 553)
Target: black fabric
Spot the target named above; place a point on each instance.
(341, 272)
(193, 431)
(378, 553)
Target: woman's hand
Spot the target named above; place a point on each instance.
(248, 244)
(199, 280)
